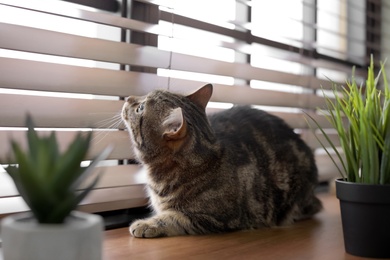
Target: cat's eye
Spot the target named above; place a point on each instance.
(140, 108)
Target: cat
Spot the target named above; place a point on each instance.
(238, 169)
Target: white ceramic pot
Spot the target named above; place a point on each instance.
(80, 237)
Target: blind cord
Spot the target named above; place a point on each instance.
(170, 53)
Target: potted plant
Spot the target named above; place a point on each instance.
(361, 117)
(49, 183)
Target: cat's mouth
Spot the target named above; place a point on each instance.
(125, 112)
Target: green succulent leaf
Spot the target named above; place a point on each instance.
(49, 180)
(68, 167)
(81, 177)
(62, 210)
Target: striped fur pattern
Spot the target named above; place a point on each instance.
(238, 169)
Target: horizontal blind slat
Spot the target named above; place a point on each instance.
(245, 95)
(122, 147)
(327, 171)
(12, 205)
(57, 112)
(135, 195)
(135, 25)
(97, 201)
(44, 76)
(301, 120)
(311, 139)
(85, 113)
(19, 38)
(122, 198)
(110, 177)
(84, 15)
(118, 139)
(54, 77)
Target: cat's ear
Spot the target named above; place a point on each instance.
(175, 127)
(202, 96)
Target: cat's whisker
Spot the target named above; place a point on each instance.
(112, 123)
(108, 122)
(100, 135)
(105, 126)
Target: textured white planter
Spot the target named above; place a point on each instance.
(80, 237)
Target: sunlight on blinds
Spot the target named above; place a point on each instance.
(341, 30)
(385, 36)
(56, 23)
(43, 88)
(278, 20)
(204, 10)
(192, 41)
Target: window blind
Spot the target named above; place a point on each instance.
(71, 80)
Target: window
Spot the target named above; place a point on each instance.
(70, 66)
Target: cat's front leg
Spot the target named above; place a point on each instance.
(162, 225)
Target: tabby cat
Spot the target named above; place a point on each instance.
(238, 169)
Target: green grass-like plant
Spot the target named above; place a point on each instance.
(365, 139)
(48, 180)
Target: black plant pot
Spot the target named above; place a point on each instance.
(365, 216)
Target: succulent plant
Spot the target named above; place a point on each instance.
(48, 180)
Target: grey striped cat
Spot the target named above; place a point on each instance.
(238, 169)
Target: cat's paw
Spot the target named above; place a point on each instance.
(147, 228)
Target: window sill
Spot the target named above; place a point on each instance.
(317, 238)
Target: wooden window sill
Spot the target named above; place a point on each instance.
(317, 238)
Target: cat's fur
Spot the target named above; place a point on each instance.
(239, 169)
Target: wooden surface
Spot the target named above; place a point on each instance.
(318, 238)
